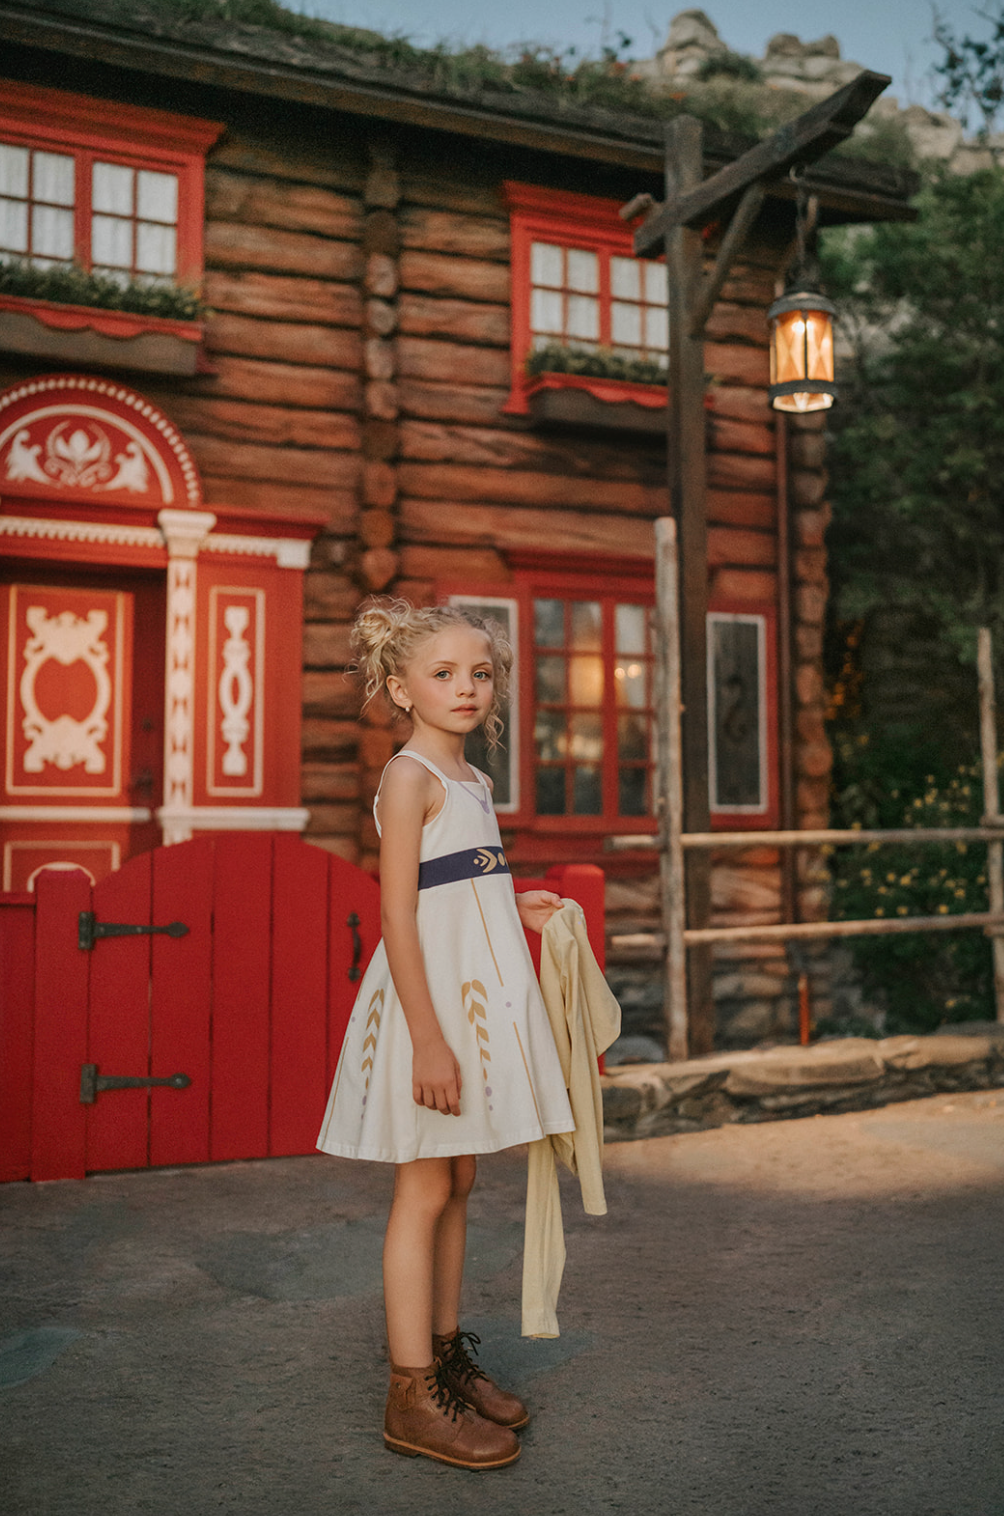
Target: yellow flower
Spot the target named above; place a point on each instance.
(901, 910)
(943, 910)
(880, 911)
(906, 879)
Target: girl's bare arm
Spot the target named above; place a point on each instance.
(409, 795)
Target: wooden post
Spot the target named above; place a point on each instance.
(687, 468)
(991, 805)
(669, 780)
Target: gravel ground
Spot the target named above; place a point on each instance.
(801, 1317)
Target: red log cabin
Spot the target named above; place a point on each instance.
(423, 361)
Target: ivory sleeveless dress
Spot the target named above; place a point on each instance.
(487, 1001)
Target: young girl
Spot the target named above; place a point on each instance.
(448, 1052)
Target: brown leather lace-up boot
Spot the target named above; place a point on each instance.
(424, 1418)
(464, 1378)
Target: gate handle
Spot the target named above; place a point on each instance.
(355, 972)
(93, 1084)
(89, 929)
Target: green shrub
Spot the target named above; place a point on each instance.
(66, 284)
(922, 979)
(597, 363)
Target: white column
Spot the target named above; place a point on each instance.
(183, 532)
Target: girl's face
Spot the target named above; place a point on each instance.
(449, 683)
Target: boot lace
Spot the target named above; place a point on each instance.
(450, 1404)
(458, 1357)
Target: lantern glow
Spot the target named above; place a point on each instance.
(801, 352)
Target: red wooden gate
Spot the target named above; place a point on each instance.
(250, 1005)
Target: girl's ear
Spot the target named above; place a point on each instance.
(398, 694)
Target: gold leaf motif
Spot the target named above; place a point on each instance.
(477, 1016)
(374, 1015)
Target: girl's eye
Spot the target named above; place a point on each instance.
(441, 674)
(482, 674)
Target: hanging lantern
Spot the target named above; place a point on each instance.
(801, 352)
(801, 322)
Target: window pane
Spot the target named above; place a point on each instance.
(587, 791)
(630, 628)
(656, 282)
(656, 328)
(53, 178)
(550, 680)
(551, 792)
(587, 738)
(632, 736)
(111, 241)
(630, 677)
(111, 189)
(632, 785)
(154, 248)
(625, 278)
(583, 271)
(13, 170)
(547, 264)
(585, 681)
(549, 623)
(549, 735)
(587, 624)
(157, 196)
(547, 312)
(583, 317)
(52, 232)
(14, 226)
(625, 324)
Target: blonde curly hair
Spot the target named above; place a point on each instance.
(387, 633)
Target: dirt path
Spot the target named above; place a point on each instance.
(795, 1319)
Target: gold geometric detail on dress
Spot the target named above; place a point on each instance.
(477, 1015)
(374, 1012)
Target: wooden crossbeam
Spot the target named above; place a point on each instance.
(802, 141)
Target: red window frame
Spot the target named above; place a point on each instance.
(572, 220)
(622, 581)
(87, 129)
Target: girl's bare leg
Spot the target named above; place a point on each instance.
(451, 1240)
(422, 1193)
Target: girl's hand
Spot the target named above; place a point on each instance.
(536, 907)
(435, 1077)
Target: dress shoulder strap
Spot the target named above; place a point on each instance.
(406, 752)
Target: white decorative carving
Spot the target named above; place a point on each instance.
(65, 741)
(181, 821)
(22, 461)
(79, 531)
(289, 552)
(236, 690)
(180, 682)
(133, 473)
(53, 386)
(78, 458)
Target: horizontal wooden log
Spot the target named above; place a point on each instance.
(335, 697)
(329, 595)
(509, 527)
(477, 405)
(750, 286)
(745, 323)
(443, 481)
(279, 383)
(333, 819)
(548, 453)
(240, 421)
(256, 200)
(328, 781)
(277, 297)
(735, 363)
(229, 244)
(743, 584)
(330, 738)
(458, 566)
(423, 358)
(283, 465)
(458, 320)
(326, 645)
(287, 341)
(728, 436)
(739, 402)
(741, 471)
(451, 232)
(472, 192)
(448, 276)
(338, 508)
(299, 157)
(739, 508)
(730, 546)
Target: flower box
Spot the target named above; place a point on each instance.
(90, 336)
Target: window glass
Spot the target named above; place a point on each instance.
(587, 791)
(51, 234)
(549, 623)
(587, 624)
(550, 792)
(13, 170)
(111, 242)
(625, 325)
(632, 791)
(112, 189)
(631, 628)
(625, 278)
(583, 318)
(587, 736)
(157, 197)
(736, 711)
(547, 264)
(547, 311)
(549, 735)
(656, 281)
(585, 680)
(550, 679)
(155, 248)
(53, 175)
(13, 226)
(583, 270)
